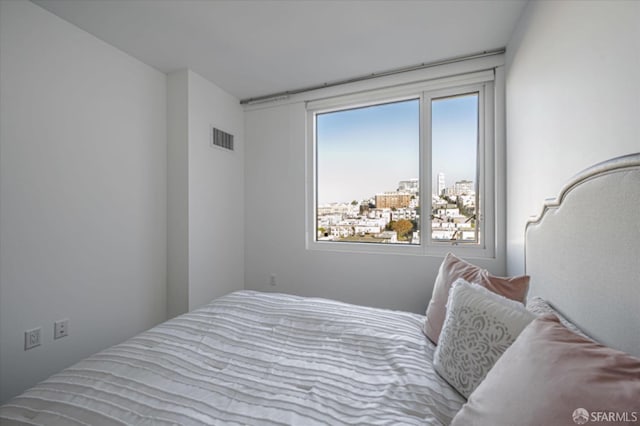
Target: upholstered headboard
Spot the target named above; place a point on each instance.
(583, 252)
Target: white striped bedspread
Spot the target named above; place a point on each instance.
(252, 358)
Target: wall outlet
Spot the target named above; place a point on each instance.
(272, 280)
(32, 338)
(60, 328)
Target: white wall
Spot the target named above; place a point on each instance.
(275, 221)
(216, 198)
(573, 99)
(205, 191)
(82, 193)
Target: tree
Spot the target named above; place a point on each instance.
(354, 203)
(402, 227)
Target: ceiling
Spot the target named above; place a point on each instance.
(255, 47)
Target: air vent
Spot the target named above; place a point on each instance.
(222, 139)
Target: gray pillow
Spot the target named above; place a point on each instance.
(540, 307)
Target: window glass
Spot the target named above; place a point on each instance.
(454, 159)
(368, 174)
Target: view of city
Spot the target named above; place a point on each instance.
(365, 156)
(394, 217)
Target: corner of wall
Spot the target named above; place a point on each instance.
(177, 193)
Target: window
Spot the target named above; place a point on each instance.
(410, 172)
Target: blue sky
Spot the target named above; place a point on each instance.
(364, 151)
(455, 137)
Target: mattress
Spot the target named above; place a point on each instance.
(252, 358)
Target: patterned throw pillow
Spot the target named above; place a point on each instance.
(479, 326)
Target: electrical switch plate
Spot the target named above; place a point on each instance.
(32, 338)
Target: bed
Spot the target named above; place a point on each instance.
(266, 358)
(254, 358)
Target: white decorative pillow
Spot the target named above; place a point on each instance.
(541, 307)
(479, 326)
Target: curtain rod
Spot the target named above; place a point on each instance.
(287, 93)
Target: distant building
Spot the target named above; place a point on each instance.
(341, 231)
(438, 202)
(441, 184)
(448, 212)
(391, 200)
(335, 208)
(408, 214)
(367, 229)
(411, 185)
(415, 238)
(464, 187)
(389, 236)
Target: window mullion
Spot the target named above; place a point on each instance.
(426, 171)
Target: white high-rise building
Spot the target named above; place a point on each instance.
(441, 185)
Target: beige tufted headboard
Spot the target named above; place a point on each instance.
(583, 252)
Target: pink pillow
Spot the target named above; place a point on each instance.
(552, 376)
(452, 268)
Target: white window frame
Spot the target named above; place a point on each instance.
(484, 84)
